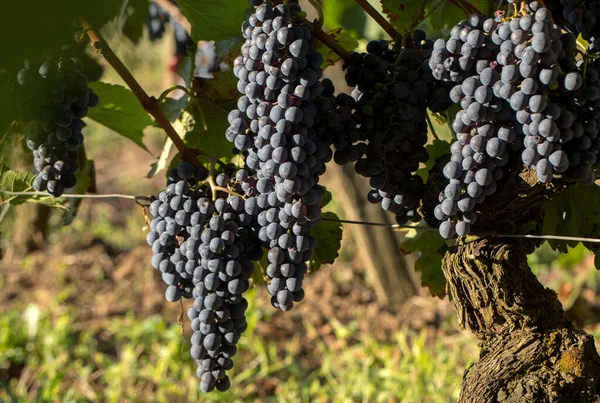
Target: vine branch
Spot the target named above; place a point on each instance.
(379, 19)
(150, 104)
(466, 6)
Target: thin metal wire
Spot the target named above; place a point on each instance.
(75, 196)
(374, 224)
(380, 224)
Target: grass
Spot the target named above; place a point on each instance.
(46, 355)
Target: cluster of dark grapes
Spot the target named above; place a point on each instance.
(520, 90)
(579, 17)
(53, 98)
(385, 127)
(204, 248)
(275, 127)
(157, 20)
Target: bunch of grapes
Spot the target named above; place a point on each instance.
(579, 17)
(274, 126)
(520, 90)
(204, 248)
(178, 216)
(53, 98)
(386, 127)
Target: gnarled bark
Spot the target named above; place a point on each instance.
(529, 351)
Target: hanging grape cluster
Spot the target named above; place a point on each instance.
(520, 90)
(385, 128)
(274, 126)
(204, 248)
(53, 97)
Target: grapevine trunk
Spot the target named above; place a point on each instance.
(529, 351)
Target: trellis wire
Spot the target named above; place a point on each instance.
(142, 199)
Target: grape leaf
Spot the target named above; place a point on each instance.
(49, 25)
(574, 213)
(182, 125)
(222, 87)
(210, 124)
(21, 182)
(120, 110)
(327, 197)
(430, 245)
(172, 108)
(214, 19)
(346, 14)
(443, 15)
(343, 38)
(403, 14)
(186, 71)
(228, 46)
(435, 150)
(329, 241)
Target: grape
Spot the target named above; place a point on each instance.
(500, 95)
(52, 121)
(283, 124)
(389, 130)
(204, 249)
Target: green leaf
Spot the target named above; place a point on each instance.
(209, 129)
(346, 14)
(444, 16)
(21, 182)
(182, 125)
(575, 213)
(435, 150)
(49, 26)
(329, 241)
(186, 70)
(120, 110)
(597, 259)
(403, 14)
(259, 276)
(430, 245)
(172, 108)
(343, 38)
(214, 19)
(227, 46)
(222, 88)
(327, 197)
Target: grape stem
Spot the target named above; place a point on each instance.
(379, 19)
(166, 92)
(213, 186)
(150, 104)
